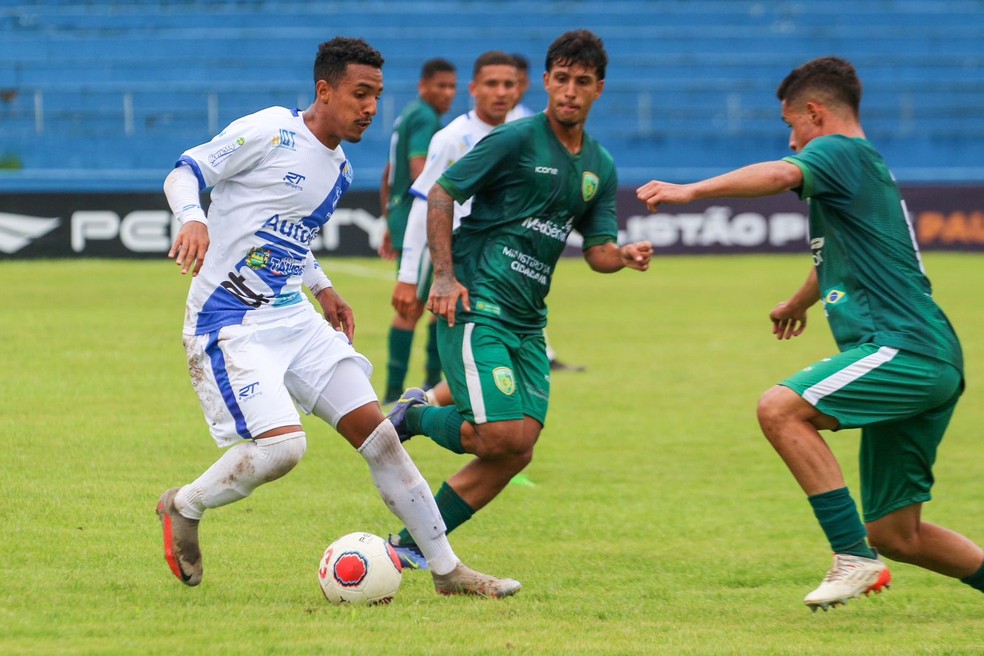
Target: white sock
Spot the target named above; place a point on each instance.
(406, 493)
(241, 469)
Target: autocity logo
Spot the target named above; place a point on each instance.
(19, 230)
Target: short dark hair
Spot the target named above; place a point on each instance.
(492, 58)
(334, 57)
(434, 66)
(522, 63)
(578, 47)
(832, 78)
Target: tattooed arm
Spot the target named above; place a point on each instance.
(446, 290)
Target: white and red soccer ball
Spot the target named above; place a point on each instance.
(360, 568)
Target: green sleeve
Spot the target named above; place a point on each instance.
(831, 169)
(484, 164)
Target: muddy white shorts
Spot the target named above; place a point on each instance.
(248, 377)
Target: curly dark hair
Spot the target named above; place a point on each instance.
(578, 47)
(334, 57)
(832, 78)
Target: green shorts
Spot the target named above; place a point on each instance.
(495, 374)
(901, 401)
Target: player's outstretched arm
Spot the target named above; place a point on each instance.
(608, 258)
(753, 181)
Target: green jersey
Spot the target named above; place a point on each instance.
(411, 136)
(529, 193)
(872, 282)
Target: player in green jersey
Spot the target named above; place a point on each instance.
(899, 372)
(411, 136)
(533, 181)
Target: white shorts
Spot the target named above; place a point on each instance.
(248, 377)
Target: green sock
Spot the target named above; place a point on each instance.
(443, 425)
(838, 517)
(400, 342)
(433, 356)
(975, 580)
(454, 510)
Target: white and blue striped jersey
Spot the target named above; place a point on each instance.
(275, 187)
(446, 147)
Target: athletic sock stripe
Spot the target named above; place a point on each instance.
(848, 375)
(475, 398)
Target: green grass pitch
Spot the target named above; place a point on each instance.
(658, 521)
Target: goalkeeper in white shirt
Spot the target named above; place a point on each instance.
(255, 345)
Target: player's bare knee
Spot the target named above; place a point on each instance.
(503, 440)
(770, 411)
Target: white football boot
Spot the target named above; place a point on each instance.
(849, 578)
(466, 581)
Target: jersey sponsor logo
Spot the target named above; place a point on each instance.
(296, 231)
(294, 180)
(503, 377)
(236, 285)
(834, 296)
(549, 170)
(589, 186)
(485, 307)
(549, 228)
(225, 151)
(18, 230)
(262, 258)
(285, 140)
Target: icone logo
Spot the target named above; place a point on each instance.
(546, 169)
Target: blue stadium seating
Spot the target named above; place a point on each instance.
(106, 93)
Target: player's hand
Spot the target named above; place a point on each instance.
(655, 192)
(444, 295)
(405, 301)
(190, 246)
(385, 249)
(338, 313)
(788, 321)
(637, 256)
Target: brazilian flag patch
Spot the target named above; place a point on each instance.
(833, 296)
(503, 377)
(589, 186)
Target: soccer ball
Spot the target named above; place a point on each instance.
(360, 568)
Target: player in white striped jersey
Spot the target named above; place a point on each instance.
(493, 89)
(255, 345)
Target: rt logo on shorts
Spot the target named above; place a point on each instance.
(248, 391)
(503, 377)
